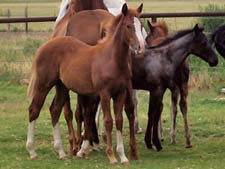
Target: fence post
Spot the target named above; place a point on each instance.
(9, 15)
(26, 16)
(154, 19)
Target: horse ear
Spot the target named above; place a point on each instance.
(124, 9)
(139, 9)
(150, 26)
(197, 29)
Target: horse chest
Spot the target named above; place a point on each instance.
(109, 77)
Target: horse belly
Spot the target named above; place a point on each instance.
(77, 77)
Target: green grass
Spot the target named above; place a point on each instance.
(206, 114)
(206, 118)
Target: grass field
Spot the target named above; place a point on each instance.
(206, 104)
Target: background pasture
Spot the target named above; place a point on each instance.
(206, 104)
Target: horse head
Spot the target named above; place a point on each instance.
(132, 30)
(202, 48)
(158, 32)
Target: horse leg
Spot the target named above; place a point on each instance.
(183, 108)
(174, 98)
(154, 112)
(118, 103)
(93, 123)
(156, 140)
(34, 111)
(68, 114)
(148, 133)
(79, 120)
(108, 122)
(97, 116)
(55, 109)
(83, 115)
(137, 128)
(129, 109)
(160, 129)
(103, 132)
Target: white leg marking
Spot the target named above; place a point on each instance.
(58, 142)
(30, 140)
(84, 149)
(97, 116)
(120, 147)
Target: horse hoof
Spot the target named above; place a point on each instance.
(63, 157)
(80, 154)
(35, 157)
(96, 147)
(125, 162)
(173, 142)
(149, 146)
(159, 148)
(114, 162)
(188, 146)
(139, 131)
(134, 156)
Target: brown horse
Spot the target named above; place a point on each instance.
(160, 30)
(69, 8)
(104, 70)
(67, 11)
(98, 21)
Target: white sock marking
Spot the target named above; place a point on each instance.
(120, 147)
(84, 149)
(30, 140)
(58, 142)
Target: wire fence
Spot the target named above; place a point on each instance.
(15, 62)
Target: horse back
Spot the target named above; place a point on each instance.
(87, 26)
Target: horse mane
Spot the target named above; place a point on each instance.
(172, 38)
(212, 36)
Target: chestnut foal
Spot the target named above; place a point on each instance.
(104, 70)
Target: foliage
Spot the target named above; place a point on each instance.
(210, 23)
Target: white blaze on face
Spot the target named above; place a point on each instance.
(62, 11)
(138, 31)
(114, 6)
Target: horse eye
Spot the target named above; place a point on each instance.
(129, 27)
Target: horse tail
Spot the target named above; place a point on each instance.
(31, 86)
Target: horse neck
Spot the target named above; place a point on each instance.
(178, 50)
(119, 48)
